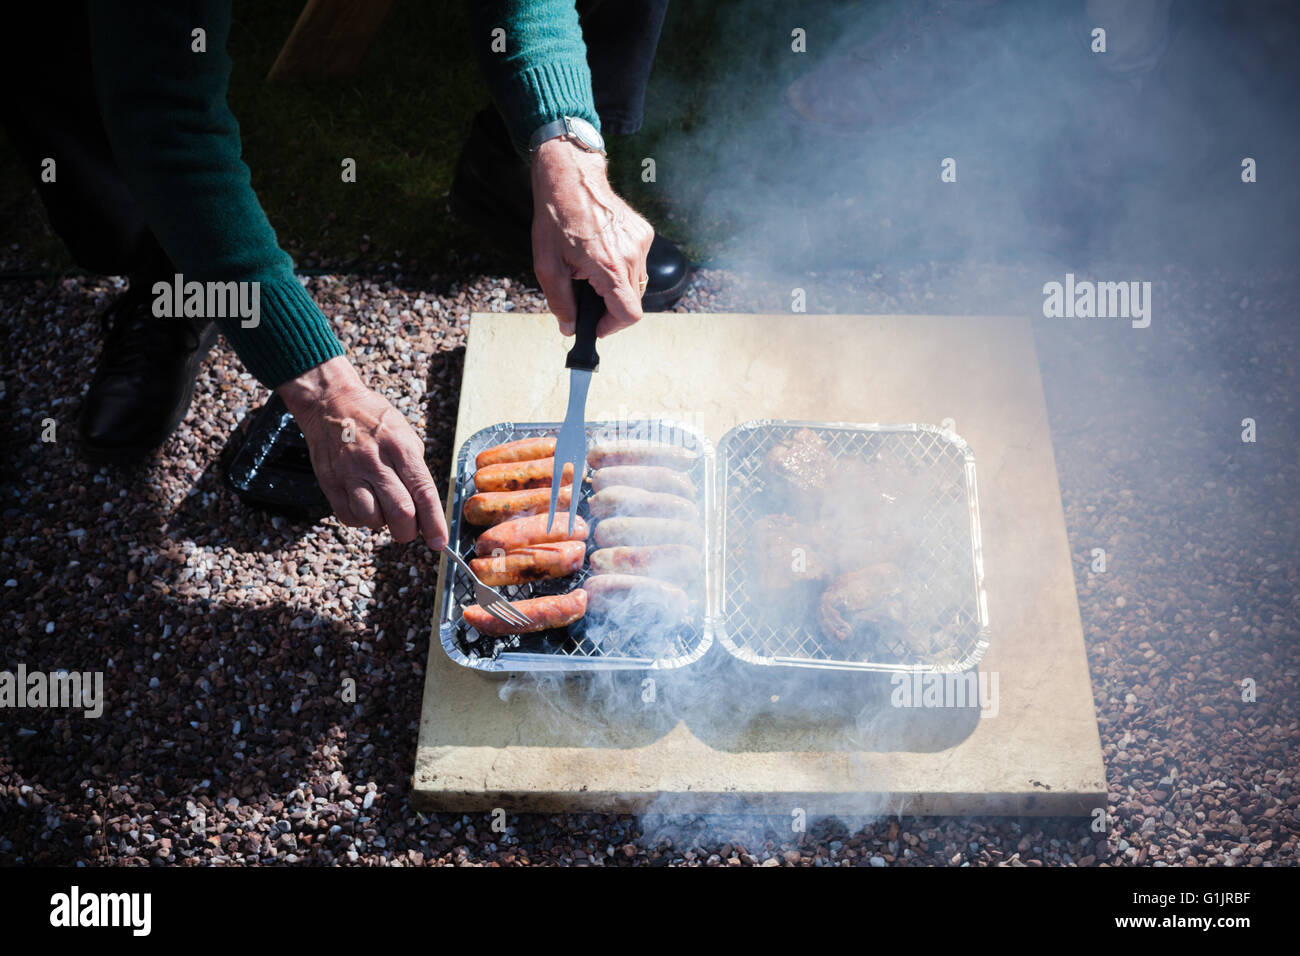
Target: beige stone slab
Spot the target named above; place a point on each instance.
(827, 744)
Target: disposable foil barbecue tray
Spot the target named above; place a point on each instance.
(903, 504)
(573, 649)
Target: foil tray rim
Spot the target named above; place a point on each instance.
(980, 644)
(522, 664)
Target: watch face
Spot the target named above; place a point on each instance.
(587, 133)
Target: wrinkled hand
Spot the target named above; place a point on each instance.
(368, 460)
(582, 230)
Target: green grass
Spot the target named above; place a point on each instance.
(404, 117)
(401, 119)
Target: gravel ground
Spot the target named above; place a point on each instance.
(224, 634)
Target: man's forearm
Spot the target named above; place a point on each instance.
(542, 73)
(177, 144)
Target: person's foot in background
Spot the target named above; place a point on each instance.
(1124, 119)
(142, 387)
(492, 190)
(918, 55)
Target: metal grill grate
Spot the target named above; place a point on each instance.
(943, 623)
(575, 648)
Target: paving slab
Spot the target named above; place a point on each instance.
(727, 738)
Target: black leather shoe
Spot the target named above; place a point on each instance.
(145, 379)
(493, 192)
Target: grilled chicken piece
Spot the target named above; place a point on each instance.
(800, 465)
(786, 553)
(860, 602)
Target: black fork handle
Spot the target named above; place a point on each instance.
(590, 308)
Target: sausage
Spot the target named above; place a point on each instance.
(554, 559)
(551, 610)
(614, 532)
(631, 599)
(637, 502)
(678, 563)
(518, 475)
(493, 507)
(525, 449)
(649, 477)
(518, 533)
(640, 453)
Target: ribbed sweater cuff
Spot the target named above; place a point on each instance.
(536, 96)
(292, 334)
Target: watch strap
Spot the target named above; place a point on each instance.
(547, 132)
(566, 127)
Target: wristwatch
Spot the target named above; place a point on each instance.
(573, 128)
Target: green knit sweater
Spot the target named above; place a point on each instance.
(177, 145)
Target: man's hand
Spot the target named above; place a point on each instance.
(369, 461)
(581, 230)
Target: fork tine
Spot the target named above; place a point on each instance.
(523, 618)
(556, 476)
(499, 613)
(555, 493)
(489, 599)
(509, 612)
(579, 472)
(491, 602)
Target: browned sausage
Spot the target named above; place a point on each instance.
(649, 477)
(640, 453)
(551, 610)
(637, 502)
(518, 475)
(635, 600)
(494, 507)
(556, 559)
(612, 532)
(525, 449)
(521, 532)
(679, 563)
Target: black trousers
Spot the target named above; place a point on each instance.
(621, 38)
(49, 110)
